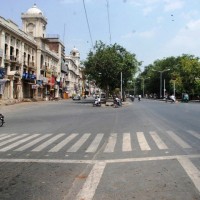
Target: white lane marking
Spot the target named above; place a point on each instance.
(191, 170)
(195, 134)
(91, 183)
(11, 146)
(111, 143)
(63, 143)
(30, 144)
(79, 143)
(6, 136)
(48, 142)
(95, 144)
(12, 139)
(158, 141)
(143, 142)
(125, 160)
(178, 140)
(126, 146)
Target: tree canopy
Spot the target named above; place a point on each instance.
(184, 74)
(106, 63)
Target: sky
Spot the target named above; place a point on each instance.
(150, 29)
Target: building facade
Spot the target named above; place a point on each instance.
(33, 64)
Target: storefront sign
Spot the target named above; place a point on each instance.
(2, 72)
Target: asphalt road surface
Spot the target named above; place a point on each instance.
(67, 149)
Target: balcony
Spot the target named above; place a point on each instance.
(32, 65)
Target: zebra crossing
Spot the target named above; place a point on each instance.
(91, 143)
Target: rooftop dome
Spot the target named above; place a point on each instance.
(34, 10)
(74, 50)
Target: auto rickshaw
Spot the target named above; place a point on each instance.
(185, 97)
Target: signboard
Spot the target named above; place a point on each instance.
(2, 72)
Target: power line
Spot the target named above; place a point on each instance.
(88, 23)
(108, 20)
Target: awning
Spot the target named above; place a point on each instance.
(2, 81)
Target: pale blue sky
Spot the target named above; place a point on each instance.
(144, 27)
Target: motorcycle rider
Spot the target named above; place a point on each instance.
(97, 100)
(139, 97)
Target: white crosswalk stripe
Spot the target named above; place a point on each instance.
(79, 143)
(63, 143)
(12, 139)
(178, 140)
(111, 143)
(48, 142)
(11, 146)
(126, 146)
(195, 134)
(2, 135)
(6, 136)
(30, 144)
(72, 142)
(157, 140)
(95, 144)
(143, 142)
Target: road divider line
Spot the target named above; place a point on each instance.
(160, 144)
(91, 183)
(111, 143)
(126, 146)
(191, 170)
(143, 142)
(95, 143)
(178, 140)
(79, 143)
(48, 142)
(111, 161)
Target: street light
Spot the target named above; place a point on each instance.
(143, 79)
(161, 72)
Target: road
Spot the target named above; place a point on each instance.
(70, 150)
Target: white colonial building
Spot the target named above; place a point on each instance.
(32, 63)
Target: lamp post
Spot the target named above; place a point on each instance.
(143, 79)
(161, 72)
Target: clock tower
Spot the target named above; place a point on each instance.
(34, 22)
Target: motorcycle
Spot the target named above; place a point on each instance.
(97, 104)
(1, 120)
(117, 102)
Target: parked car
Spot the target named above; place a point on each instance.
(76, 97)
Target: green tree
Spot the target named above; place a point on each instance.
(106, 63)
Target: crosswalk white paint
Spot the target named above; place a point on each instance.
(95, 143)
(178, 140)
(3, 137)
(195, 134)
(157, 140)
(11, 146)
(12, 139)
(79, 143)
(126, 145)
(143, 142)
(32, 143)
(63, 143)
(48, 142)
(72, 142)
(111, 143)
